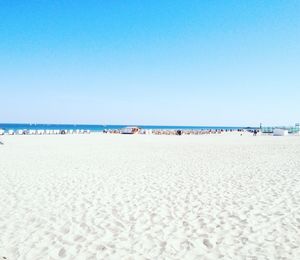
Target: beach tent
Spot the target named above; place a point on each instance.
(280, 132)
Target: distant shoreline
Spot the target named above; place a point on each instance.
(99, 128)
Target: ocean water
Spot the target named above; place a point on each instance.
(100, 128)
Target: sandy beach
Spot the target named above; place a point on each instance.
(149, 197)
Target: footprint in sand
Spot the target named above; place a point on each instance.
(62, 252)
(207, 243)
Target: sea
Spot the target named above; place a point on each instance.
(101, 128)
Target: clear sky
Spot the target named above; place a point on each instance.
(210, 62)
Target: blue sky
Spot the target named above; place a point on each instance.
(214, 62)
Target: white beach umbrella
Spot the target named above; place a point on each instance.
(40, 132)
(32, 132)
(20, 132)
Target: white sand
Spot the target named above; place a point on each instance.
(149, 197)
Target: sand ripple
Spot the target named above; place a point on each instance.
(149, 197)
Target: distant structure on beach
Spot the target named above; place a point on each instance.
(290, 129)
(130, 130)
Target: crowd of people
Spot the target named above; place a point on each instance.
(174, 131)
(121, 131)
